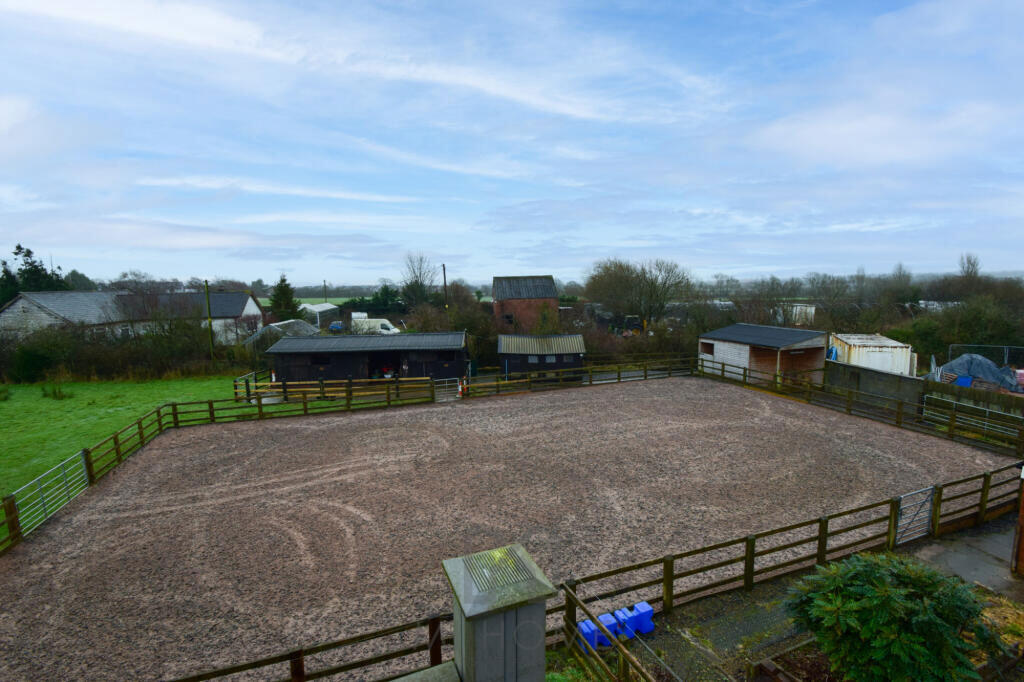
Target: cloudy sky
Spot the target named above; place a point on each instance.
(325, 140)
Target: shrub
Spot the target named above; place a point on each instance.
(885, 617)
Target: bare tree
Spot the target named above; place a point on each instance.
(419, 279)
(643, 289)
(970, 266)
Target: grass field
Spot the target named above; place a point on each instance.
(39, 432)
(265, 302)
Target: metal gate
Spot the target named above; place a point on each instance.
(915, 517)
(446, 390)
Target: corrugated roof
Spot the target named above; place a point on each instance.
(555, 344)
(762, 335)
(318, 307)
(357, 343)
(105, 307)
(869, 340)
(533, 286)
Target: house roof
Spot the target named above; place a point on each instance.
(105, 307)
(762, 335)
(357, 343)
(318, 307)
(533, 286)
(873, 340)
(555, 344)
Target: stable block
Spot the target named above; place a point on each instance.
(589, 632)
(644, 617)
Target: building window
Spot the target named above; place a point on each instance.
(533, 360)
(550, 359)
(707, 348)
(319, 359)
(509, 318)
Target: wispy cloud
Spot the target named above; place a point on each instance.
(250, 186)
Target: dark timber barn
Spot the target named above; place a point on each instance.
(440, 355)
(522, 353)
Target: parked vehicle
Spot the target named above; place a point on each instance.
(336, 327)
(374, 326)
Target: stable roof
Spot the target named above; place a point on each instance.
(869, 340)
(318, 307)
(763, 335)
(362, 343)
(532, 286)
(554, 344)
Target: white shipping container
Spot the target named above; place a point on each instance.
(874, 351)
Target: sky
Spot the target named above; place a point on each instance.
(327, 140)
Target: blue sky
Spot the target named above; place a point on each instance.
(325, 140)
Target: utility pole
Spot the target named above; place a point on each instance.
(209, 317)
(325, 292)
(444, 277)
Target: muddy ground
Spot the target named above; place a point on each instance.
(223, 543)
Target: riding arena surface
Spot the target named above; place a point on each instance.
(219, 544)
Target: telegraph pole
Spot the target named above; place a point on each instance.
(209, 318)
(444, 277)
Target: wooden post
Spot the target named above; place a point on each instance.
(951, 425)
(623, 672)
(259, 406)
(497, 385)
(899, 413)
(937, 511)
(142, 433)
(1020, 442)
(284, 391)
(117, 447)
(590, 376)
(894, 515)
(160, 419)
(748, 563)
(90, 471)
(323, 393)
(11, 518)
(744, 376)
(212, 412)
(434, 640)
(983, 504)
(722, 368)
(618, 373)
(529, 381)
(297, 666)
(174, 414)
(849, 401)
(569, 616)
(433, 391)
(387, 394)
(305, 403)
(348, 394)
(248, 391)
(670, 369)
(822, 558)
(668, 580)
(645, 370)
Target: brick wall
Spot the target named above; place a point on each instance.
(525, 312)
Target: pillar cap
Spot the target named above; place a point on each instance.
(496, 580)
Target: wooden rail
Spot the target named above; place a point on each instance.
(667, 582)
(543, 380)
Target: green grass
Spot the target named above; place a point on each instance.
(40, 432)
(265, 302)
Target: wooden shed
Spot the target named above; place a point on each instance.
(522, 353)
(764, 349)
(440, 355)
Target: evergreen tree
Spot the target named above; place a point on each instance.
(31, 275)
(282, 300)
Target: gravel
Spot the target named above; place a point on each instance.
(223, 543)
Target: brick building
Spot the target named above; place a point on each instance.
(522, 304)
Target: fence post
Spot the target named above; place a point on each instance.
(434, 640)
(90, 472)
(937, 511)
(618, 373)
(1020, 442)
(284, 391)
(983, 505)
(497, 386)
(213, 413)
(174, 414)
(387, 394)
(951, 425)
(529, 381)
(11, 518)
(849, 401)
(248, 390)
(748, 563)
(259, 406)
(323, 394)
(623, 672)
(348, 394)
(297, 666)
(159, 419)
(305, 403)
(894, 514)
(569, 616)
(645, 370)
(899, 413)
(822, 558)
(142, 433)
(722, 369)
(668, 580)
(744, 376)
(590, 376)
(117, 447)
(433, 391)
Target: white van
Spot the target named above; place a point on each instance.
(374, 326)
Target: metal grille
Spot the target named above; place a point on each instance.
(43, 497)
(915, 517)
(446, 390)
(496, 568)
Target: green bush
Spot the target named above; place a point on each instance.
(885, 617)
